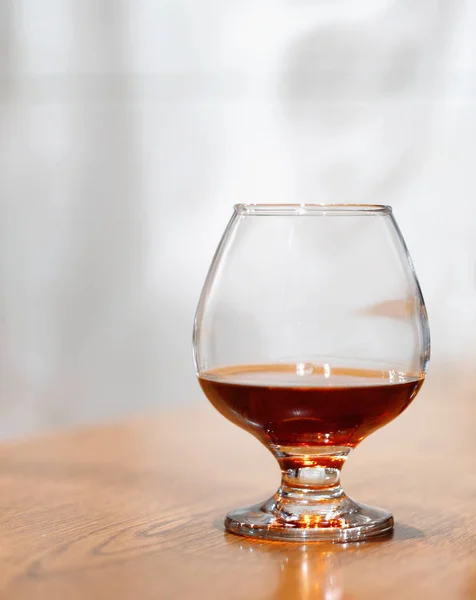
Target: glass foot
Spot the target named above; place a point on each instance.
(333, 520)
(310, 504)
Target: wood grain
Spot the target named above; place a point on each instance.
(135, 509)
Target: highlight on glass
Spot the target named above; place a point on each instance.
(311, 333)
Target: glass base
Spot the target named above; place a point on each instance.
(310, 504)
(337, 519)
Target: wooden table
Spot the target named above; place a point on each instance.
(134, 510)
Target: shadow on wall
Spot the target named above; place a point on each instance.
(359, 101)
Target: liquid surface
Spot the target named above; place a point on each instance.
(303, 404)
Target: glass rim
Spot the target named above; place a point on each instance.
(312, 209)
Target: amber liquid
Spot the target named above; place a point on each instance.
(305, 405)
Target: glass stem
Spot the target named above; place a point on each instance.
(311, 474)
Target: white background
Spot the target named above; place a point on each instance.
(129, 128)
